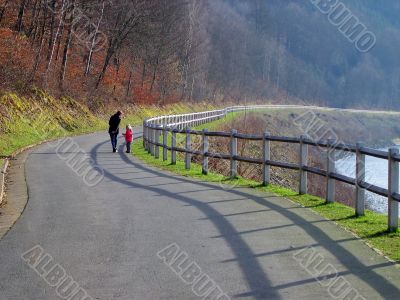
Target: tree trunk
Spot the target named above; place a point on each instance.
(60, 37)
(51, 42)
(89, 61)
(37, 61)
(154, 75)
(67, 45)
(3, 10)
(34, 30)
(21, 14)
(110, 53)
(143, 73)
(34, 21)
(117, 75)
(43, 29)
(128, 90)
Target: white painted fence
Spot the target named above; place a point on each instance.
(154, 128)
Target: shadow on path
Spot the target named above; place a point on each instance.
(255, 276)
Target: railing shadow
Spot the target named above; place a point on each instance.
(256, 278)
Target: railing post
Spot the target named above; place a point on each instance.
(147, 138)
(234, 148)
(165, 144)
(188, 156)
(144, 135)
(205, 150)
(266, 157)
(153, 138)
(148, 134)
(157, 141)
(330, 182)
(393, 184)
(173, 151)
(360, 177)
(303, 162)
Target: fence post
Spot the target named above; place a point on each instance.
(157, 141)
(266, 156)
(165, 144)
(234, 148)
(147, 138)
(393, 184)
(153, 138)
(303, 162)
(360, 177)
(173, 151)
(330, 182)
(148, 134)
(144, 135)
(188, 156)
(205, 150)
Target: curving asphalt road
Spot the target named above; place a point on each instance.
(106, 237)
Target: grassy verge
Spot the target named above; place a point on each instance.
(372, 227)
(230, 118)
(26, 121)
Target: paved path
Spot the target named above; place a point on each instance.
(107, 237)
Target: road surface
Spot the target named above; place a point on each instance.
(106, 238)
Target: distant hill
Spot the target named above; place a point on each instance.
(160, 52)
(294, 48)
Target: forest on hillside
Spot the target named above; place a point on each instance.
(166, 51)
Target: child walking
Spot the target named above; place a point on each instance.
(128, 138)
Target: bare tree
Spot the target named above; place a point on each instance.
(3, 9)
(127, 18)
(21, 13)
(67, 43)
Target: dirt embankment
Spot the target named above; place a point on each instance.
(374, 130)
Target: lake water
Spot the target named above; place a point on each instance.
(376, 173)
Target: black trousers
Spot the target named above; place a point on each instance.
(114, 140)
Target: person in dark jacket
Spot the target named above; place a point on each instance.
(114, 122)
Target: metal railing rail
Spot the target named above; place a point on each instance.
(155, 128)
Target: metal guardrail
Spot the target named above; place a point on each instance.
(154, 128)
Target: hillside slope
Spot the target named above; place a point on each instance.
(163, 52)
(26, 120)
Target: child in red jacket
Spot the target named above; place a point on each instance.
(128, 138)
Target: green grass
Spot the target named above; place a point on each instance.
(23, 135)
(218, 123)
(372, 227)
(26, 121)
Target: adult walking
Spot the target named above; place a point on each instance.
(114, 122)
